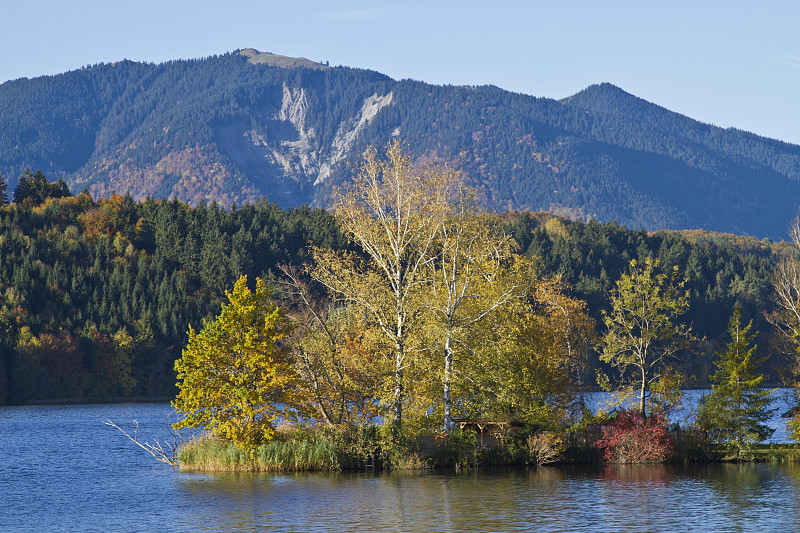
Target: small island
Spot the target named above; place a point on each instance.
(429, 341)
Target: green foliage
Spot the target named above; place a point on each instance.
(36, 189)
(736, 412)
(76, 273)
(719, 270)
(515, 370)
(358, 444)
(641, 330)
(459, 450)
(235, 377)
(290, 451)
(399, 449)
(174, 129)
(3, 193)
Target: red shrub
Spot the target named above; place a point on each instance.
(633, 439)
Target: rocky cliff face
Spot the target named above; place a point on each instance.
(282, 155)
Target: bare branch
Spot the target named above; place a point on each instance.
(163, 452)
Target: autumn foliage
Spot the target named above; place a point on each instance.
(631, 438)
(235, 376)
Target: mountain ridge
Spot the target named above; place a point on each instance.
(245, 125)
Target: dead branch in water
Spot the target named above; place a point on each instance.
(165, 452)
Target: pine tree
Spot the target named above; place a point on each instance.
(738, 408)
(3, 193)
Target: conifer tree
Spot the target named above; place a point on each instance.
(738, 408)
(3, 189)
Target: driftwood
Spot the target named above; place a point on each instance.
(166, 452)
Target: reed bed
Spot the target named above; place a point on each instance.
(292, 452)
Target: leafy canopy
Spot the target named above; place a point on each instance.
(641, 331)
(236, 378)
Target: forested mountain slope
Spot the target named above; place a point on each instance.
(243, 126)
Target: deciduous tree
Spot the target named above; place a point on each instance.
(331, 348)
(641, 330)
(786, 296)
(571, 329)
(235, 375)
(474, 272)
(391, 211)
(514, 369)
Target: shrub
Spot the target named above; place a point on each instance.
(634, 439)
(544, 448)
(458, 449)
(358, 444)
(399, 450)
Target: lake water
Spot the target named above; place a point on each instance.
(62, 470)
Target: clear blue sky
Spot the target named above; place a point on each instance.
(729, 63)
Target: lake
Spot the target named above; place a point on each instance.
(62, 470)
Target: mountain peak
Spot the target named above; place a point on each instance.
(233, 132)
(274, 60)
(609, 99)
(602, 96)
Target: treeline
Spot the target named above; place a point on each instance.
(96, 296)
(720, 270)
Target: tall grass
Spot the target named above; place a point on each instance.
(290, 451)
(297, 455)
(780, 453)
(210, 454)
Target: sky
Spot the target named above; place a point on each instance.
(729, 63)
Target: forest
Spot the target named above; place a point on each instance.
(97, 295)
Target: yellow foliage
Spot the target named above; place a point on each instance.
(391, 211)
(235, 377)
(523, 362)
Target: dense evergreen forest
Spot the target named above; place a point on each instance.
(242, 126)
(96, 296)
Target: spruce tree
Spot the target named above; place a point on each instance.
(738, 408)
(3, 193)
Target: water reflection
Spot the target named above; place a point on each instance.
(611, 498)
(54, 478)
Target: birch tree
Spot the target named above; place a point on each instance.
(392, 212)
(786, 315)
(466, 278)
(786, 283)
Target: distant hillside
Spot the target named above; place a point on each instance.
(242, 126)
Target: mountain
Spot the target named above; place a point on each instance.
(246, 125)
